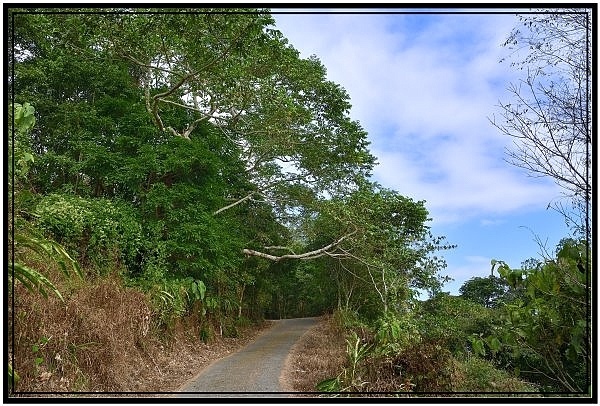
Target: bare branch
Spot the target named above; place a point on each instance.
(307, 255)
(279, 247)
(242, 200)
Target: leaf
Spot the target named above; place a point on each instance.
(478, 346)
(329, 385)
(53, 250)
(24, 117)
(493, 343)
(27, 157)
(12, 374)
(201, 288)
(32, 279)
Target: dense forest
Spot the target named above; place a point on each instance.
(193, 159)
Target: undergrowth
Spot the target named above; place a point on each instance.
(419, 366)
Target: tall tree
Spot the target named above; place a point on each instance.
(549, 111)
(230, 69)
(388, 253)
(487, 291)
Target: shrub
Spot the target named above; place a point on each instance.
(453, 320)
(428, 366)
(102, 231)
(478, 375)
(395, 333)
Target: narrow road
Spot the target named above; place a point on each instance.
(254, 368)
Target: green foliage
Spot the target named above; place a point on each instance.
(33, 279)
(24, 118)
(350, 379)
(26, 236)
(478, 375)
(547, 330)
(173, 298)
(489, 292)
(94, 227)
(27, 239)
(329, 385)
(297, 289)
(388, 251)
(394, 333)
(346, 319)
(172, 172)
(453, 320)
(23, 121)
(356, 351)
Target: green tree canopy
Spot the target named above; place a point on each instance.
(206, 136)
(488, 291)
(138, 78)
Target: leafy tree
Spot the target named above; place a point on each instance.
(197, 149)
(388, 251)
(176, 73)
(549, 114)
(196, 144)
(488, 292)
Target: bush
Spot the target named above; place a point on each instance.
(479, 375)
(346, 319)
(101, 231)
(453, 320)
(395, 333)
(428, 366)
(173, 298)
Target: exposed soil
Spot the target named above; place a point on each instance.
(318, 355)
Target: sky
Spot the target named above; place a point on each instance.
(424, 87)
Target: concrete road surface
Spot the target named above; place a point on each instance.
(254, 370)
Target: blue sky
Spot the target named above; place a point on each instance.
(423, 86)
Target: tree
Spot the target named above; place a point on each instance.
(225, 148)
(488, 291)
(189, 69)
(453, 320)
(549, 114)
(388, 251)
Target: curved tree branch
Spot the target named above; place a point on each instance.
(307, 255)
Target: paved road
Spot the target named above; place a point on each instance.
(254, 368)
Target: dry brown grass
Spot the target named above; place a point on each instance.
(79, 345)
(319, 354)
(101, 340)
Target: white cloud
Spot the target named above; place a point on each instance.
(471, 266)
(492, 222)
(424, 97)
